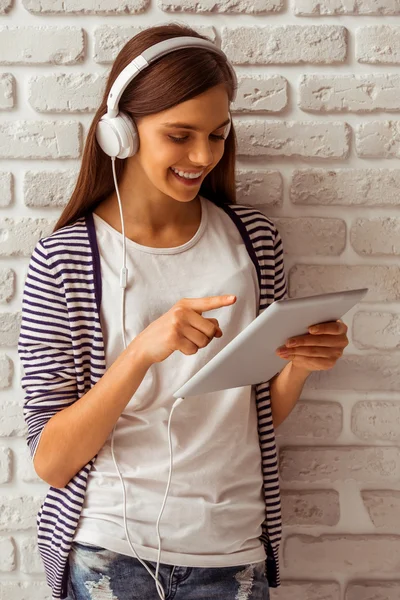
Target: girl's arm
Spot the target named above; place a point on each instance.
(285, 390)
(72, 437)
(318, 350)
(64, 431)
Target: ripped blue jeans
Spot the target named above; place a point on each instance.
(99, 574)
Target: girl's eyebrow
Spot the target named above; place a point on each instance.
(188, 126)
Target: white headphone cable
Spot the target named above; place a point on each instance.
(123, 282)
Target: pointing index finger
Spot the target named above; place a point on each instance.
(201, 305)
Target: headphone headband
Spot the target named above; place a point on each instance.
(150, 55)
(116, 133)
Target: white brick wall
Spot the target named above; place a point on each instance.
(318, 125)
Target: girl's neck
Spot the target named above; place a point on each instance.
(179, 226)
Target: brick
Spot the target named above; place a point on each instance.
(30, 558)
(7, 285)
(345, 187)
(306, 590)
(383, 507)
(267, 93)
(344, 554)
(24, 590)
(40, 139)
(287, 44)
(376, 237)
(376, 330)
(340, 463)
(378, 139)
(11, 420)
(359, 372)
(378, 44)
(313, 236)
(7, 555)
(41, 45)
(383, 281)
(341, 7)
(5, 6)
(109, 40)
(10, 324)
(7, 91)
(259, 187)
(76, 92)
(6, 371)
(373, 590)
(19, 513)
(85, 7)
(227, 6)
(376, 420)
(317, 507)
(6, 189)
(18, 237)
(350, 93)
(308, 139)
(49, 188)
(5, 465)
(312, 420)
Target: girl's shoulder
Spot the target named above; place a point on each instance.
(251, 217)
(52, 253)
(65, 234)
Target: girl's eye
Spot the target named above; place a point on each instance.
(179, 140)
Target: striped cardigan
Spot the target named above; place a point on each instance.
(61, 350)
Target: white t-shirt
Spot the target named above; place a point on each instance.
(215, 506)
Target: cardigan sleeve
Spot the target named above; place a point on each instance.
(44, 347)
(280, 284)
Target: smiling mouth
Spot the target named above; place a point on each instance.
(195, 174)
(189, 181)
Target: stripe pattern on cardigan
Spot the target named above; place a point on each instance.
(61, 350)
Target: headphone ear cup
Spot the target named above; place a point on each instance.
(117, 136)
(132, 136)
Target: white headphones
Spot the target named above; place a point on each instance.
(116, 132)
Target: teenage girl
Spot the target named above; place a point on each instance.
(200, 268)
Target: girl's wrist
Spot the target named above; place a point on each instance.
(137, 354)
(299, 372)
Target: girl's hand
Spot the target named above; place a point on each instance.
(319, 349)
(182, 328)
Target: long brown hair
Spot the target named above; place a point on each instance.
(175, 78)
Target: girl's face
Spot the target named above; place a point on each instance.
(188, 137)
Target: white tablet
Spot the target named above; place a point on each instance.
(250, 357)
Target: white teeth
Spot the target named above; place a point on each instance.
(187, 175)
